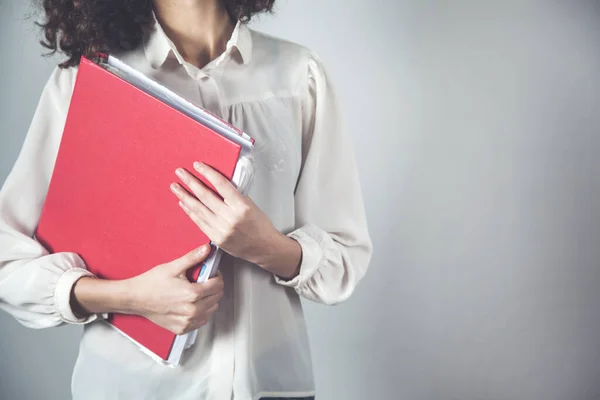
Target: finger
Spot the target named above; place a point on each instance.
(210, 287)
(203, 319)
(182, 264)
(191, 203)
(212, 309)
(209, 301)
(225, 188)
(202, 192)
(206, 315)
(185, 325)
(204, 225)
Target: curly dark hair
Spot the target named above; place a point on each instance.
(85, 27)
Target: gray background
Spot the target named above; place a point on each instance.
(477, 131)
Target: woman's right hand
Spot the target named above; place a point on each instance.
(163, 294)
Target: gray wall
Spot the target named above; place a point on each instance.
(477, 126)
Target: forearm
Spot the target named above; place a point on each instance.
(282, 257)
(97, 296)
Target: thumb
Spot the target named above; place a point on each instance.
(180, 265)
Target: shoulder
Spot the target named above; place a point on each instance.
(59, 87)
(286, 58)
(269, 45)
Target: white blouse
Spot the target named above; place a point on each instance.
(256, 344)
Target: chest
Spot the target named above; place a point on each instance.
(271, 115)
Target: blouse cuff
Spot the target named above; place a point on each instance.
(313, 242)
(62, 296)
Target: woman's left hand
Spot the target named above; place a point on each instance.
(235, 223)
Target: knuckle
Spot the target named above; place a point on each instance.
(189, 310)
(191, 257)
(199, 191)
(195, 211)
(179, 330)
(202, 322)
(227, 234)
(244, 210)
(192, 295)
(211, 310)
(199, 292)
(186, 326)
(201, 197)
(237, 215)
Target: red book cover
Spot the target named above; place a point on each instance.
(109, 199)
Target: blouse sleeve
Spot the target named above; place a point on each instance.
(35, 286)
(329, 211)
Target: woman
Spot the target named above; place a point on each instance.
(301, 231)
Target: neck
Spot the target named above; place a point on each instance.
(199, 29)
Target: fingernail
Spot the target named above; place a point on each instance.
(174, 187)
(203, 250)
(179, 172)
(198, 165)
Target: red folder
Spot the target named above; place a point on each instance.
(109, 198)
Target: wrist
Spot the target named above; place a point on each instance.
(98, 296)
(125, 297)
(282, 256)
